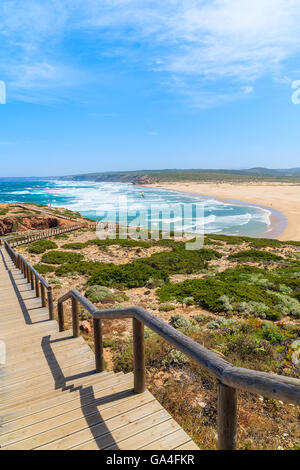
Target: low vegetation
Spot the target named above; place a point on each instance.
(126, 275)
(180, 260)
(102, 294)
(61, 257)
(44, 268)
(74, 246)
(255, 255)
(40, 246)
(247, 291)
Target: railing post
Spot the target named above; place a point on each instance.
(75, 317)
(50, 303)
(43, 295)
(37, 287)
(98, 344)
(28, 273)
(138, 356)
(61, 321)
(227, 417)
(31, 280)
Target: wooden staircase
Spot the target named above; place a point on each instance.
(50, 394)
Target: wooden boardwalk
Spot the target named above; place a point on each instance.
(52, 398)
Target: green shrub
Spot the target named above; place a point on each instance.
(56, 282)
(40, 246)
(109, 343)
(179, 321)
(61, 257)
(127, 275)
(254, 255)
(154, 283)
(82, 267)
(288, 305)
(3, 211)
(174, 358)
(44, 268)
(180, 260)
(230, 240)
(272, 333)
(102, 293)
(188, 301)
(62, 236)
(249, 348)
(218, 295)
(126, 243)
(265, 243)
(219, 323)
(167, 307)
(74, 246)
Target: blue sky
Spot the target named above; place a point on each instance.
(99, 85)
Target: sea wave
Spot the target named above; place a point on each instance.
(99, 200)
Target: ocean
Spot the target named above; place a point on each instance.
(112, 201)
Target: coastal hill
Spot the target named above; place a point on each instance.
(156, 176)
(177, 175)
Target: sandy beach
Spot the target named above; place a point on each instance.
(282, 197)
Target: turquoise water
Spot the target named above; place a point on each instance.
(108, 201)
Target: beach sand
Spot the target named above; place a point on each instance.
(282, 197)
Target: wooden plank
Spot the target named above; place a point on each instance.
(49, 349)
(111, 386)
(113, 437)
(14, 378)
(190, 445)
(49, 380)
(167, 442)
(102, 424)
(65, 408)
(63, 425)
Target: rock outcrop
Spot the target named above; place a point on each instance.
(23, 224)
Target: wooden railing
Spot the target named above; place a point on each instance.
(38, 283)
(29, 237)
(230, 378)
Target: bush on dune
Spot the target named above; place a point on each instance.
(219, 296)
(61, 257)
(100, 294)
(82, 267)
(74, 246)
(44, 268)
(127, 243)
(127, 275)
(248, 290)
(180, 260)
(40, 246)
(254, 255)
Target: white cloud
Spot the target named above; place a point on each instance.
(193, 42)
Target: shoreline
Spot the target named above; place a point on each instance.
(281, 199)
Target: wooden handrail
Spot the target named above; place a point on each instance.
(38, 235)
(37, 281)
(34, 278)
(230, 378)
